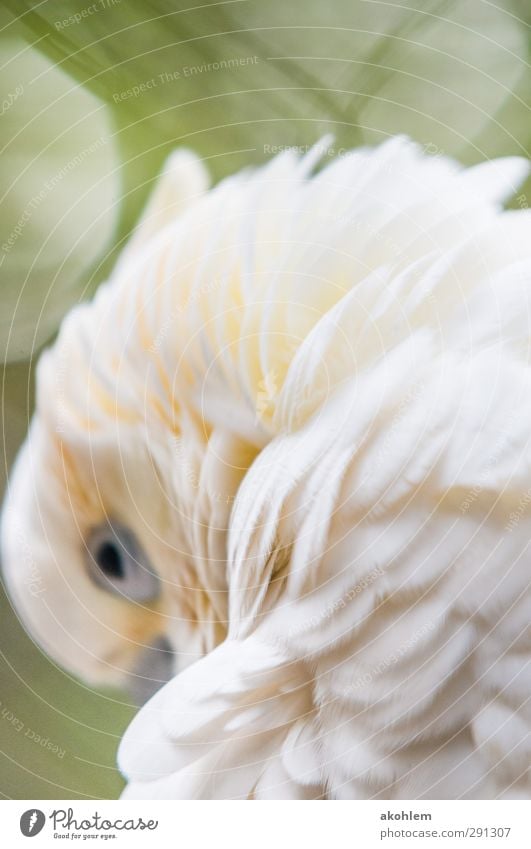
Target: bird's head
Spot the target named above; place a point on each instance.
(96, 525)
(93, 550)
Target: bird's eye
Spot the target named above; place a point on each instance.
(117, 563)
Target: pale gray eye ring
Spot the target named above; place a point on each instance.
(117, 563)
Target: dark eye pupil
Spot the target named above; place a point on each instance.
(110, 560)
(117, 563)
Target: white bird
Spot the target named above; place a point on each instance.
(291, 434)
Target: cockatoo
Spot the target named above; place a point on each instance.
(291, 435)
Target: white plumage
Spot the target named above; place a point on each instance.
(309, 398)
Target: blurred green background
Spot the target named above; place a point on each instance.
(93, 96)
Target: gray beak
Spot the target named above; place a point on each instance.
(154, 668)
